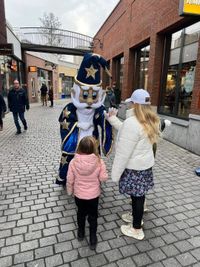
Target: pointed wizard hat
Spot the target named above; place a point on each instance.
(89, 73)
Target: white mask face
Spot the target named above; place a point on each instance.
(87, 96)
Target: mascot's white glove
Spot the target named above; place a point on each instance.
(111, 112)
(84, 125)
(167, 122)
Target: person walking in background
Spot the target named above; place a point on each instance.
(3, 109)
(51, 96)
(17, 102)
(84, 177)
(109, 99)
(43, 91)
(117, 93)
(134, 158)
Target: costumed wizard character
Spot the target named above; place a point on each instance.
(85, 115)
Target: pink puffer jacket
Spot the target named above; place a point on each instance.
(84, 176)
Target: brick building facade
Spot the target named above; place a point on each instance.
(148, 44)
(2, 23)
(44, 74)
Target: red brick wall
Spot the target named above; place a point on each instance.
(2, 23)
(40, 63)
(133, 23)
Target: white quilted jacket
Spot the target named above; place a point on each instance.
(133, 148)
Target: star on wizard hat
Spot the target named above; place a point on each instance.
(89, 71)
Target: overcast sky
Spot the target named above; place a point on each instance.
(84, 16)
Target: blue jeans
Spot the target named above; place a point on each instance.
(16, 116)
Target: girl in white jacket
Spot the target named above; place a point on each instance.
(134, 158)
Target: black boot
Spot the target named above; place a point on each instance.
(93, 240)
(92, 219)
(80, 234)
(81, 226)
(18, 132)
(60, 182)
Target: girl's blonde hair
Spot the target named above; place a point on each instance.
(149, 120)
(88, 145)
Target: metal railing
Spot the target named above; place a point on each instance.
(53, 37)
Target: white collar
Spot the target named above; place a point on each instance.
(130, 113)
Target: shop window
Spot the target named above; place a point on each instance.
(44, 76)
(33, 87)
(141, 67)
(105, 77)
(67, 84)
(119, 71)
(179, 71)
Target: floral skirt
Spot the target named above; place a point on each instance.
(136, 183)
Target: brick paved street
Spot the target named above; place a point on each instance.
(37, 218)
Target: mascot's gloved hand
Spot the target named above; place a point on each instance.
(111, 112)
(84, 125)
(164, 123)
(167, 122)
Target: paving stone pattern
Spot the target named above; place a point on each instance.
(38, 219)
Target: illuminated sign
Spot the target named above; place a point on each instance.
(189, 7)
(32, 69)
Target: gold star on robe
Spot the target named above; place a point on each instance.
(66, 113)
(64, 160)
(65, 124)
(91, 72)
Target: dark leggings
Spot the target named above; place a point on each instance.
(137, 210)
(1, 120)
(87, 208)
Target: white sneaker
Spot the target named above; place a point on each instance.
(128, 218)
(131, 232)
(145, 207)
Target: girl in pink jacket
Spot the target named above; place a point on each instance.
(85, 174)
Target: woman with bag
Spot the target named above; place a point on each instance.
(134, 158)
(3, 109)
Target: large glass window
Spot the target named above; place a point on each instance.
(45, 76)
(106, 78)
(67, 84)
(141, 67)
(33, 87)
(179, 71)
(119, 71)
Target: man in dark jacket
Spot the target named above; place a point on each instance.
(117, 93)
(17, 101)
(2, 111)
(43, 91)
(51, 96)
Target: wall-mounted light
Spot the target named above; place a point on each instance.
(92, 44)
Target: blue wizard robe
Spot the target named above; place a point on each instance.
(69, 132)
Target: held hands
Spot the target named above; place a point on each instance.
(111, 112)
(69, 192)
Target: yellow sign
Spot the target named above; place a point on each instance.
(189, 7)
(32, 68)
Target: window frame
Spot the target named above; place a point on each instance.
(165, 67)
